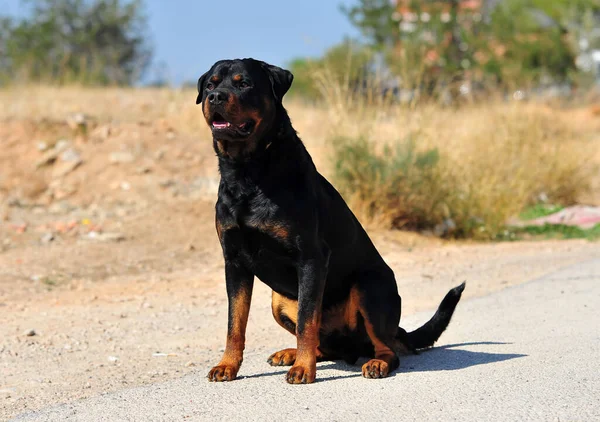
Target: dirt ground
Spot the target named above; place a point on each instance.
(111, 275)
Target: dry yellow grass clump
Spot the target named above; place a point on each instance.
(460, 172)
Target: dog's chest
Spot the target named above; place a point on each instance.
(267, 246)
(261, 225)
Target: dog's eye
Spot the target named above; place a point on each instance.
(244, 84)
(210, 86)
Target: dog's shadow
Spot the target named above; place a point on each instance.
(449, 358)
(442, 358)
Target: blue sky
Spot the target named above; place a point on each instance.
(189, 35)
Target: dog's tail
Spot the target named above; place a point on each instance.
(427, 335)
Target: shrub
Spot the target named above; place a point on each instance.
(457, 173)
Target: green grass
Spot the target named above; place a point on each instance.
(539, 210)
(552, 231)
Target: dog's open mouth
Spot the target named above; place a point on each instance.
(219, 123)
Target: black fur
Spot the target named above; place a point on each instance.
(279, 220)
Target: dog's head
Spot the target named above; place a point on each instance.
(240, 100)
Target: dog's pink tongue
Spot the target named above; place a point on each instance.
(220, 125)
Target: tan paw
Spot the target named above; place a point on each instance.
(375, 368)
(223, 373)
(285, 357)
(301, 374)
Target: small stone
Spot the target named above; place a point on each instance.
(42, 146)
(70, 154)
(113, 359)
(105, 237)
(61, 145)
(77, 121)
(189, 364)
(47, 238)
(166, 183)
(65, 168)
(30, 333)
(120, 157)
(102, 132)
(49, 157)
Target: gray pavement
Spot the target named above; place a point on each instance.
(530, 352)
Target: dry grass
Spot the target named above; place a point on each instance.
(472, 167)
(461, 172)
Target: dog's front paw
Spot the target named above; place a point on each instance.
(375, 368)
(302, 374)
(284, 357)
(223, 373)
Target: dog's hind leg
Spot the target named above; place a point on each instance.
(380, 310)
(285, 312)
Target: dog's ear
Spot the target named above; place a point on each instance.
(281, 79)
(201, 88)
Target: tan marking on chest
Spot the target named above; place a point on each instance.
(277, 230)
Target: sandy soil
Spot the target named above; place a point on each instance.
(109, 315)
(111, 275)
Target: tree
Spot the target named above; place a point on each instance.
(443, 42)
(348, 63)
(84, 41)
(375, 19)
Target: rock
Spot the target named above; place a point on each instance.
(190, 363)
(101, 133)
(121, 157)
(113, 359)
(61, 145)
(78, 122)
(30, 333)
(47, 238)
(42, 146)
(64, 168)
(166, 183)
(105, 237)
(70, 154)
(50, 156)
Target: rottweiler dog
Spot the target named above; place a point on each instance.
(278, 219)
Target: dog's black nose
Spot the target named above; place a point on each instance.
(217, 97)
